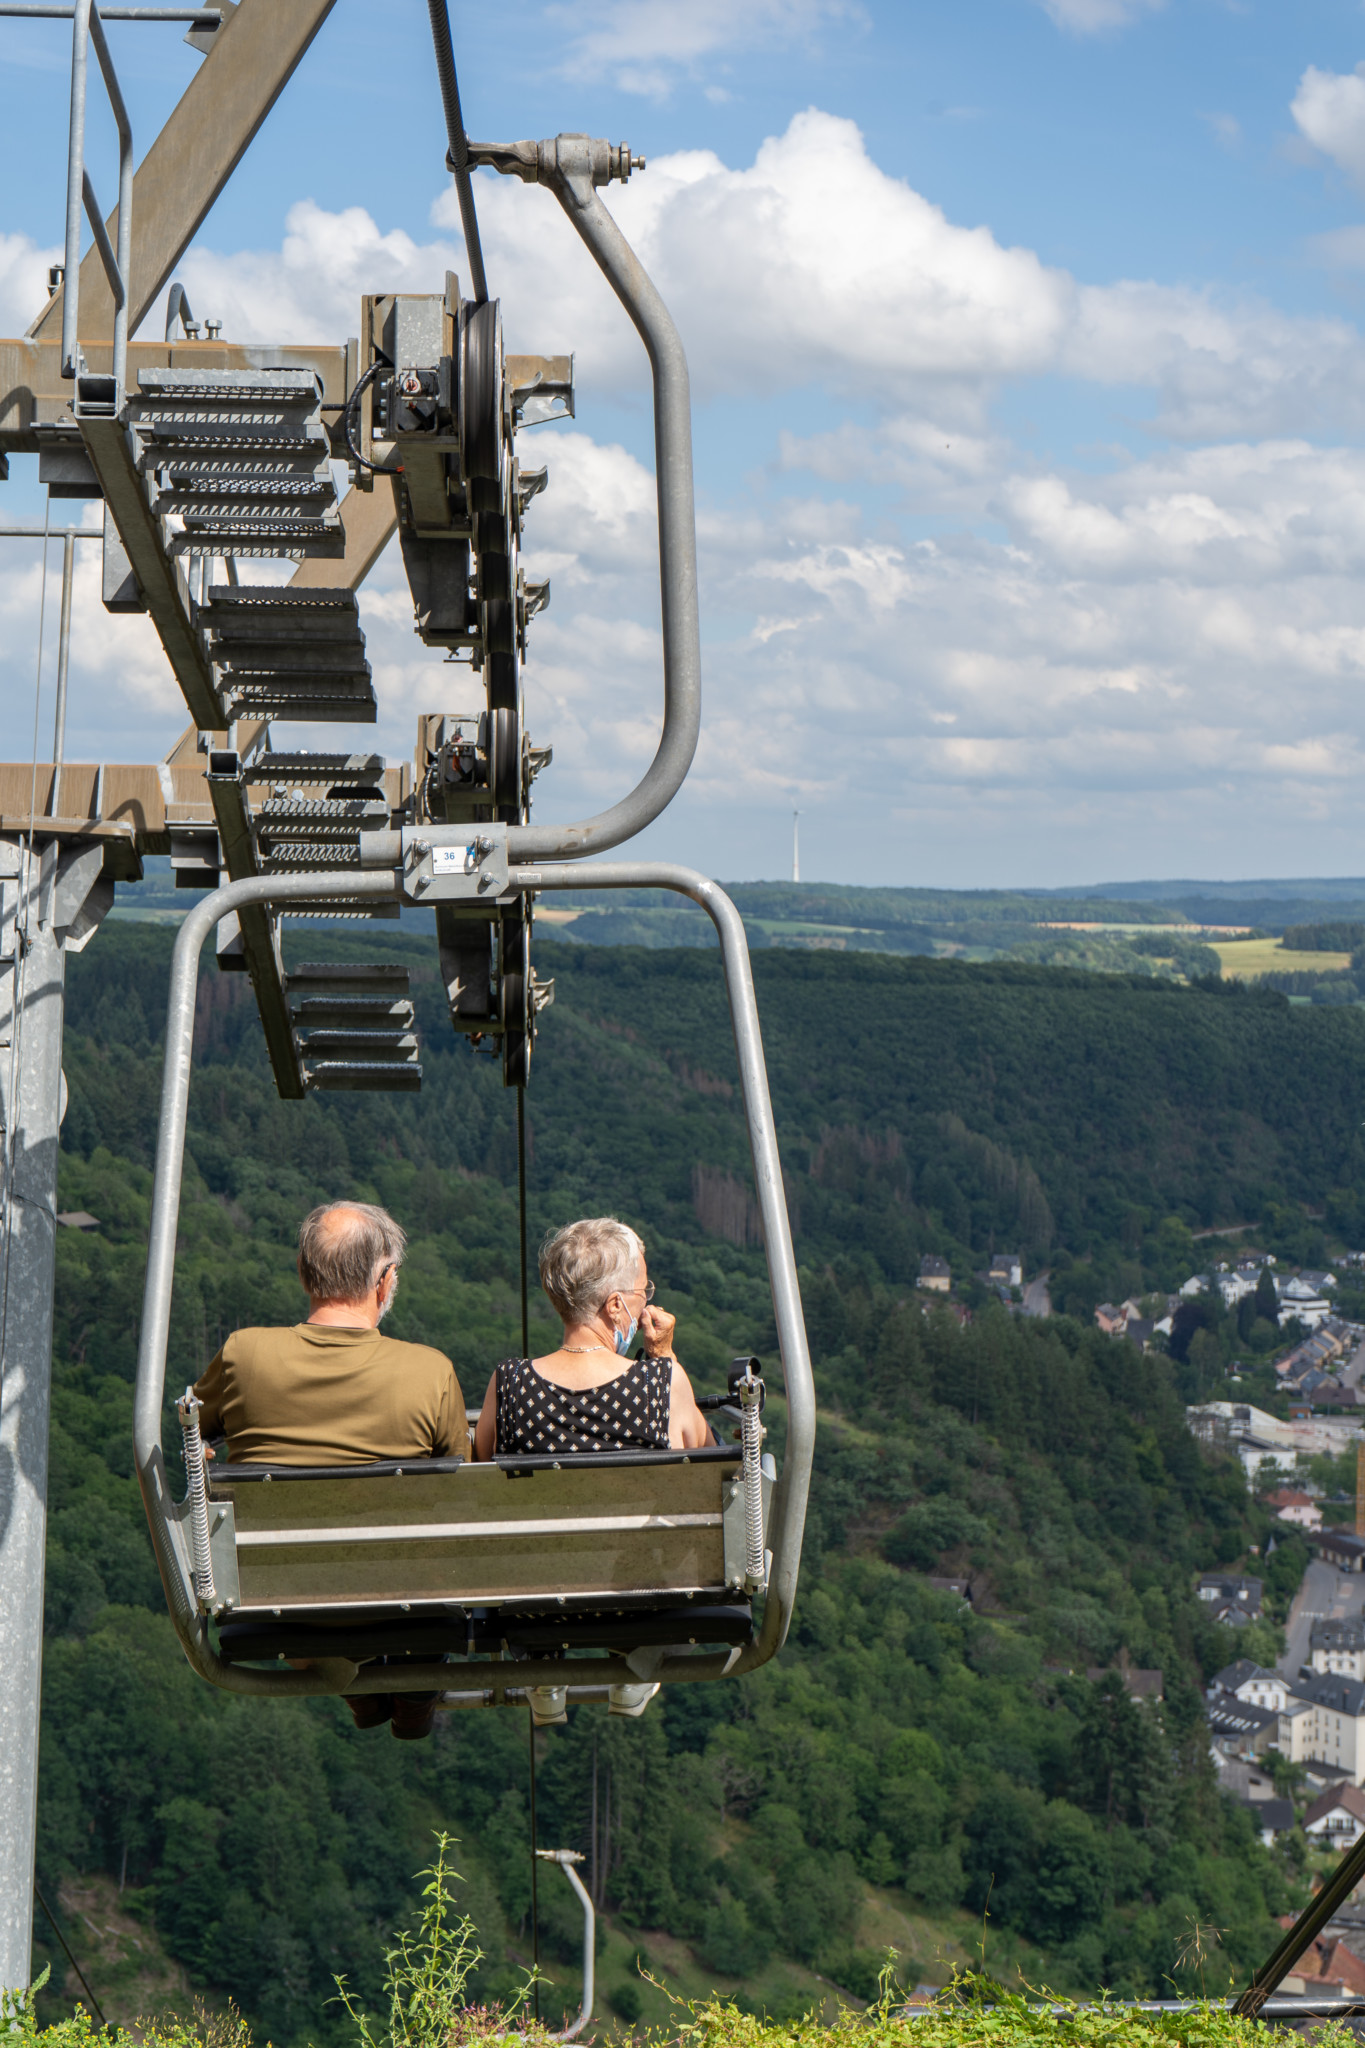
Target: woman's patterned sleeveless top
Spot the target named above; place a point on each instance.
(537, 1419)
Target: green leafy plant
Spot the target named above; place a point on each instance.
(426, 1975)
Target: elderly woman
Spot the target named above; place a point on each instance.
(587, 1395)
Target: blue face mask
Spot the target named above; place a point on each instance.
(625, 1338)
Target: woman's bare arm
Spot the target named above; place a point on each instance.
(486, 1429)
(688, 1428)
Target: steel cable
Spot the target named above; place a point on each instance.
(458, 158)
(95, 2006)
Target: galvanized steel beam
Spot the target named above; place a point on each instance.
(35, 402)
(251, 60)
(162, 581)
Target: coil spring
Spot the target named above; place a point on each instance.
(751, 1438)
(188, 1410)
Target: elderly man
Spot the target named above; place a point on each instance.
(332, 1391)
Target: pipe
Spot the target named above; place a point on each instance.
(566, 1859)
(458, 159)
(573, 166)
(118, 284)
(63, 662)
(28, 10)
(787, 1518)
(86, 29)
(178, 308)
(75, 182)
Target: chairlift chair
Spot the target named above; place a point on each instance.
(579, 1571)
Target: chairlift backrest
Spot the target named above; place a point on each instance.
(581, 1530)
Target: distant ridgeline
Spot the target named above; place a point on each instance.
(1141, 928)
(907, 1754)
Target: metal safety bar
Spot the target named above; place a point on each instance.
(566, 1859)
(46, 10)
(178, 311)
(87, 28)
(788, 1506)
(52, 533)
(573, 166)
(787, 1512)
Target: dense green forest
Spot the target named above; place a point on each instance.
(905, 1747)
(1097, 930)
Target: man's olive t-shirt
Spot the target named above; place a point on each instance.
(323, 1395)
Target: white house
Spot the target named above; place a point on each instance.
(1253, 1684)
(1338, 1646)
(1292, 1506)
(1328, 1726)
(1338, 1817)
(1304, 1303)
(1291, 1738)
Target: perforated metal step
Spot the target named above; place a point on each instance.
(287, 654)
(330, 1074)
(284, 856)
(333, 817)
(240, 460)
(354, 1024)
(353, 1012)
(347, 978)
(316, 768)
(370, 1046)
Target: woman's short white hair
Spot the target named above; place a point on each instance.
(586, 1262)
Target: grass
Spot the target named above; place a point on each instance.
(1241, 959)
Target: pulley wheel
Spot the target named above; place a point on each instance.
(502, 681)
(499, 625)
(481, 437)
(504, 765)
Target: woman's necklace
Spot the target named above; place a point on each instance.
(571, 1349)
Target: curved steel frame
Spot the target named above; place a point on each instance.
(572, 166)
(788, 1511)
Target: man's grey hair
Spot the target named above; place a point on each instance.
(585, 1262)
(344, 1247)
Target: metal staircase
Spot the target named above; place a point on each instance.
(354, 1025)
(207, 464)
(286, 653)
(241, 462)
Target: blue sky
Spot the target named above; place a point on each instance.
(1030, 391)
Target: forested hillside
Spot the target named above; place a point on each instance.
(941, 1756)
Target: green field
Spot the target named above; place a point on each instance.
(1242, 959)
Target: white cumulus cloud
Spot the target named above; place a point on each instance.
(645, 46)
(1329, 108)
(23, 281)
(1089, 17)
